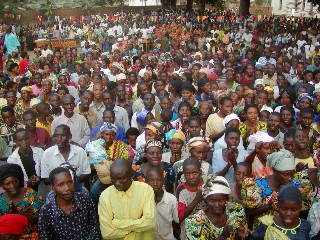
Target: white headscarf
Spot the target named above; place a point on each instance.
(229, 118)
(215, 185)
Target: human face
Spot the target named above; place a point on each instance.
(194, 128)
(175, 145)
(217, 203)
(233, 123)
(241, 173)
(285, 100)
(192, 174)
(63, 186)
(30, 121)
(108, 117)
(240, 91)
(166, 103)
(8, 118)
(306, 119)
(235, 98)
(63, 80)
(159, 85)
(97, 91)
(11, 98)
(284, 177)
(149, 135)
(204, 111)
(121, 92)
(149, 101)
(289, 144)
(121, 178)
(154, 156)
(274, 123)
(11, 186)
(132, 141)
(155, 180)
(186, 95)
(262, 99)
(62, 137)
(264, 151)
(26, 95)
(68, 105)
(86, 99)
(249, 98)
(289, 212)
(108, 100)
(55, 101)
(232, 140)
(304, 103)
(46, 86)
(226, 108)
(301, 90)
(184, 113)
(108, 136)
(250, 70)
(252, 114)
(301, 140)
(199, 152)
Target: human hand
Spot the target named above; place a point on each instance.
(243, 232)
(231, 156)
(227, 231)
(199, 196)
(300, 166)
(33, 181)
(258, 146)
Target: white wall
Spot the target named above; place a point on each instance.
(285, 7)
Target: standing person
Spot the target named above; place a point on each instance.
(71, 215)
(77, 123)
(97, 103)
(166, 203)
(126, 209)
(11, 42)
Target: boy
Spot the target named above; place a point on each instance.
(44, 112)
(166, 204)
(288, 141)
(262, 99)
(242, 171)
(189, 195)
(303, 159)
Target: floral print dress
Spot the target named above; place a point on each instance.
(200, 227)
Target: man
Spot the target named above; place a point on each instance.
(39, 137)
(108, 116)
(273, 129)
(11, 42)
(126, 209)
(46, 50)
(267, 59)
(271, 78)
(8, 127)
(122, 101)
(149, 103)
(120, 113)
(71, 215)
(63, 82)
(78, 124)
(142, 89)
(64, 152)
(97, 103)
(27, 157)
(83, 109)
(69, 64)
(316, 64)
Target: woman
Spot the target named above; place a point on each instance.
(287, 97)
(224, 160)
(260, 195)
(204, 90)
(184, 113)
(153, 153)
(287, 116)
(19, 200)
(214, 125)
(231, 85)
(27, 101)
(222, 219)
(252, 124)
(44, 96)
(248, 74)
(176, 140)
(205, 109)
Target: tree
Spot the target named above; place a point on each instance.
(315, 3)
(12, 6)
(219, 4)
(46, 8)
(244, 7)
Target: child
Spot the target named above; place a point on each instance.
(44, 113)
(262, 99)
(189, 194)
(288, 141)
(166, 116)
(286, 225)
(303, 159)
(166, 203)
(187, 95)
(194, 128)
(242, 171)
(264, 115)
(131, 136)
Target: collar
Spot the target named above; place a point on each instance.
(129, 192)
(165, 198)
(56, 151)
(57, 212)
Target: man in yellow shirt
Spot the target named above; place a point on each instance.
(126, 209)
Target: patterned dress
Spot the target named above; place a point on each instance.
(200, 227)
(31, 204)
(168, 174)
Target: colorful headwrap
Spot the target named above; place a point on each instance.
(175, 134)
(216, 185)
(109, 127)
(141, 116)
(153, 143)
(268, 88)
(26, 88)
(13, 224)
(197, 141)
(249, 91)
(154, 127)
(303, 96)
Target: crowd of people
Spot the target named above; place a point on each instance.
(161, 125)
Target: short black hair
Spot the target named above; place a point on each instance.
(232, 130)
(194, 118)
(275, 114)
(290, 133)
(10, 84)
(246, 107)
(64, 127)
(63, 88)
(184, 104)
(7, 109)
(307, 110)
(243, 164)
(191, 161)
(87, 91)
(224, 99)
(287, 108)
(10, 91)
(156, 170)
(19, 130)
(56, 171)
(132, 132)
(108, 110)
(29, 111)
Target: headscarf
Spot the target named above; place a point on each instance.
(109, 127)
(290, 193)
(11, 170)
(259, 81)
(13, 224)
(303, 96)
(117, 65)
(26, 88)
(197, 141)
(283, 160)
(229, 118)
(268, 88)
(153, 143)
(215, 185)
(121, 76)
(249, 91)
(175, 134)
(141, 116)
(198, 54)
(259, 137)
(205, 70)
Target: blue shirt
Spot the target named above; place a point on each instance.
(121, 134)
(11, 42)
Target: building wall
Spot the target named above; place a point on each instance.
(281, 7)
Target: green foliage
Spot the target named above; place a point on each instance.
(12, 6)
(46, 8)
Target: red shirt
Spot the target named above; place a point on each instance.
(40, 139)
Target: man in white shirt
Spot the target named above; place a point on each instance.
(78, 124)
